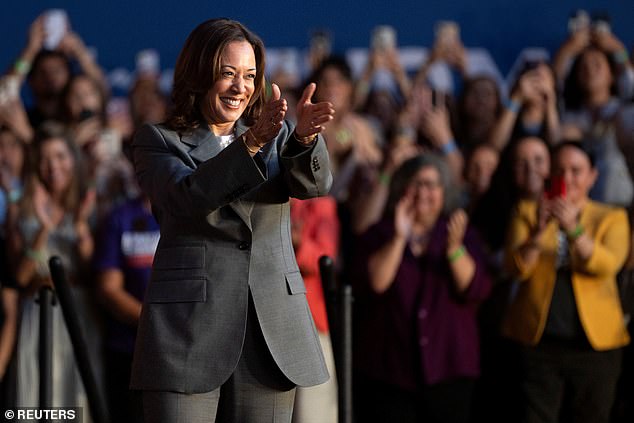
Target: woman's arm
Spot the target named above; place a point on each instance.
(123, 306)
(383, 264)
(9, 298)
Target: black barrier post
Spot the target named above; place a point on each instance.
(339, 310)
(95, 398)
(45, 347)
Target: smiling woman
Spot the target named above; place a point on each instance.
(224, 334)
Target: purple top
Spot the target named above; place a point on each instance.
(127, 242)
(420, 330)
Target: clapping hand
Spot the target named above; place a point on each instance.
(311, 117)
(271, 118)
(456, 229)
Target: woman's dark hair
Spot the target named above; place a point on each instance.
(404, 174)
(46, 132)
(42, 55)
(579, 146)
(459, 116)
(493, 212)
(198, 68)
(574, 95)
(101, 114)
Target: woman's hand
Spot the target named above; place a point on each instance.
(42, 206)
(607, 42)
(404, 216)
(87, 206)
(36, 36)
(566, 213)
(456, 228)
(271, 119)
(311, 117)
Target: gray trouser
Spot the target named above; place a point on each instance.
(257, 391)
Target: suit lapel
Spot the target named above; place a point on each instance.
(206, 145)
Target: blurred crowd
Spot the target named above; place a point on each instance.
(485, 228)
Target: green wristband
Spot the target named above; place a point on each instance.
(21, 67)
(459, 252)
(35, 255)
(384, 178)
(575, 233)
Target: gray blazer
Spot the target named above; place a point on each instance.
(225, 231)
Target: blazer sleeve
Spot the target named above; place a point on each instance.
(306, 169)
(185, 190)
(611, 246)
(518, 232)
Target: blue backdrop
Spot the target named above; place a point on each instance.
(120, 28)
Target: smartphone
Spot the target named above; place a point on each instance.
(383, 38)
(579, 21)
(446, 33)
(601, 23)
(55, 27)
(148, 62)
(321, 42)
(555, 187)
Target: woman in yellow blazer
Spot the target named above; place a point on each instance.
(566, 252)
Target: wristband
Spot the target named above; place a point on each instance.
(14, 195)
(449, 147)
(620, 57)
(575, 233)
(512, 105)
(459, 252)
(384, 178)
(22, 67)
(35, 255)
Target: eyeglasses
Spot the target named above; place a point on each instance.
(427, 184)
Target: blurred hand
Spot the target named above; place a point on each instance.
(397, 154)
(271, 119)
(311, 117)
(87, 131)
(456, 56)
(36, 35)
(576, 42)
(404, 215)
(13, 115)
(72, 45)
(456, 228)
(566, 213)
(529, 88)
(87, 205)
(543, 216)
(434, 122)
(42, 207)
(546, 84)
(393, 62)
(607, 42)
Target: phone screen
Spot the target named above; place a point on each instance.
(555, 187)
(55, 25)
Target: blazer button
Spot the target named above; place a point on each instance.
(244, 246)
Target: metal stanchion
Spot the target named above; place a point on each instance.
(96, 400)
(339, 310)
(45, 353)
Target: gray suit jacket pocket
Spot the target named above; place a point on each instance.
(295, 283)
(180, 291)
(178, 275)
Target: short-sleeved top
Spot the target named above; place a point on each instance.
(127, 242)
